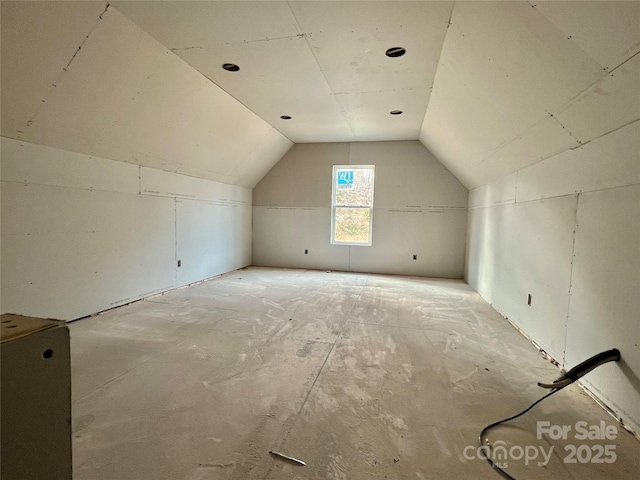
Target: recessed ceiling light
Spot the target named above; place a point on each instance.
(396, 112)
(231, 67)
(285, 117)
(395, 52)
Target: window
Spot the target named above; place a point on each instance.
(352, 205)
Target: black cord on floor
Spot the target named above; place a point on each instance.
(486, 449)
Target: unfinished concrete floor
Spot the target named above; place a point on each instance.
(361, 376)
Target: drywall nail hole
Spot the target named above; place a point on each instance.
(231, 67)
(285, 117)
(415, 257)
(395, 52)
(529, 300)
(306, 252)
(48, 353)
(396, 112)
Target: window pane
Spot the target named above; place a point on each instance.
(352, 224)
(354, 186)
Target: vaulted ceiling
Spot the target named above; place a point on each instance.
(488, 87)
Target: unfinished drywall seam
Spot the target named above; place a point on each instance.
(433, 80)
(604, 134)
(66, 68)
(225, 91)
(175, 239)
(301, 34)
(573, 258)
(517, 136)
(550, 197)
(86, 189)
(578, 141)
(611, 70)
(86, 38)
(575, 44)
(608, 73)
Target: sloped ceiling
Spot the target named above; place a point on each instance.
(322, 63)
(488, 87)
(519, 82)
(81, 77)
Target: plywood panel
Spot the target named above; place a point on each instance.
(603, 312)
(212, 238)
(67, 253)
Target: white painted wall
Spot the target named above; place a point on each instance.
(567, 231)
(82, 234)
(419, 208)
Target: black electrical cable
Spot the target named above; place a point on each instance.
(486, 450)
(564, 380)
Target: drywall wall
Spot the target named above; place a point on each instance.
(419, 209)
(567, 232)
(82, 234)
(88, 80)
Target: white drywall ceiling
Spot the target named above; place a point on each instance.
(489, 87)
(513, 82)
(103, 87)
(510, 74)
(322, 63)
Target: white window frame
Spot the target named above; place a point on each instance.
(333, 204)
